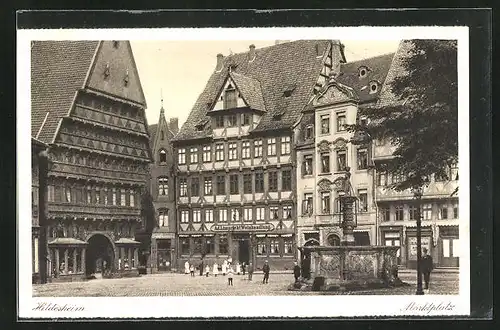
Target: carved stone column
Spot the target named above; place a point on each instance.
(57, 262)
(348, 224)
(75, 268)
(136, 257)
(83, 261)
(66, 257)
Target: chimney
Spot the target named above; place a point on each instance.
(174, 125)
(251, 53)
(220, 57)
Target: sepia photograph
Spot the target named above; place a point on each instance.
(329, 166)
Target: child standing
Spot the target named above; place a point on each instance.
(215, 270)
(207, 270)
(191, 270)
(230, 275)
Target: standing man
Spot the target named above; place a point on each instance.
(296, 271)
(426, 267)
(250, 271)
(265, 269)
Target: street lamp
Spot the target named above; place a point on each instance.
(417, 194)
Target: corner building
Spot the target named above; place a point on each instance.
(88, 106)
(235, 160)
(325, 151)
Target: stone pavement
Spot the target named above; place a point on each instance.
(169, 284)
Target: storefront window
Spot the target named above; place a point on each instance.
(210, 245)
(261, 246)
(185, 245)
(275, 246)
(287, 245)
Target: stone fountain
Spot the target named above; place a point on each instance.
(349, 267)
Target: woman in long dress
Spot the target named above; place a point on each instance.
(215, 269)
(186, 267)
(207, 270)
(224, 268)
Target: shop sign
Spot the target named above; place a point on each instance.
(242, 227)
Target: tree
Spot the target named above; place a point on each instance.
(417, 112)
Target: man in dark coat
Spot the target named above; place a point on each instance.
(296, 271)
(426, 267)
(266, 270)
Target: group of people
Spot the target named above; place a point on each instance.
(226, 268)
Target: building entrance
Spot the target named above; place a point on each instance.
(100, 256)
(244, 251)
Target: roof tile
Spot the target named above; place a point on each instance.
(58, 70)
(275, 68)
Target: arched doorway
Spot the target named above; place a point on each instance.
(333, 240)
(100, 256)
(306, 258)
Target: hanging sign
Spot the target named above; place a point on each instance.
(242, 227)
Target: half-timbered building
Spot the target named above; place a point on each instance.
(397, 210)
(235, 160)
(87, 104)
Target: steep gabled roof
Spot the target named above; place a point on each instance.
(58, 70)
(378, 68)
(152, 135)
(396, 70)
(274, 67)
(250, 90)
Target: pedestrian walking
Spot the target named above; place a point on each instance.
(238, 268)
(224, 267)
(191, 270)
(207, 270)
(186, 267)
(266, 270)
(296, 271)
(243, 267)
(250, 271)
(215, 269)
(230, 275)
(426, 267)
(201, 268)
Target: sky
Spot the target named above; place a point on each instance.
(179, 70)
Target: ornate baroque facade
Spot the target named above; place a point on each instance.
(88, 105)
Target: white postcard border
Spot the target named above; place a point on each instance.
(248, 306)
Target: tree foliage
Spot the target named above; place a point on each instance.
(421, 119)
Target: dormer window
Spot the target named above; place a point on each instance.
(163, 156)
(230, 98)
(363, 71)
(116, 43)
(373, 87)
(219, 121)
(308, 133)
(126, 79)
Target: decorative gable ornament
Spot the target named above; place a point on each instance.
(325, 185)
(333, 93)
(324, 146)
(340, 144)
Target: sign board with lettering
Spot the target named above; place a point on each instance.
(242, 227)
(412, 246)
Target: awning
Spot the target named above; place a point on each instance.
(124, 240)
(67, 241)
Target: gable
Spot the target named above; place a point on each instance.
(334, 93)
(114, 72)
(229, 85)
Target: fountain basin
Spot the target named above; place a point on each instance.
(349, 268)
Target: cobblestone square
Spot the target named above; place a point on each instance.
(170, 284)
